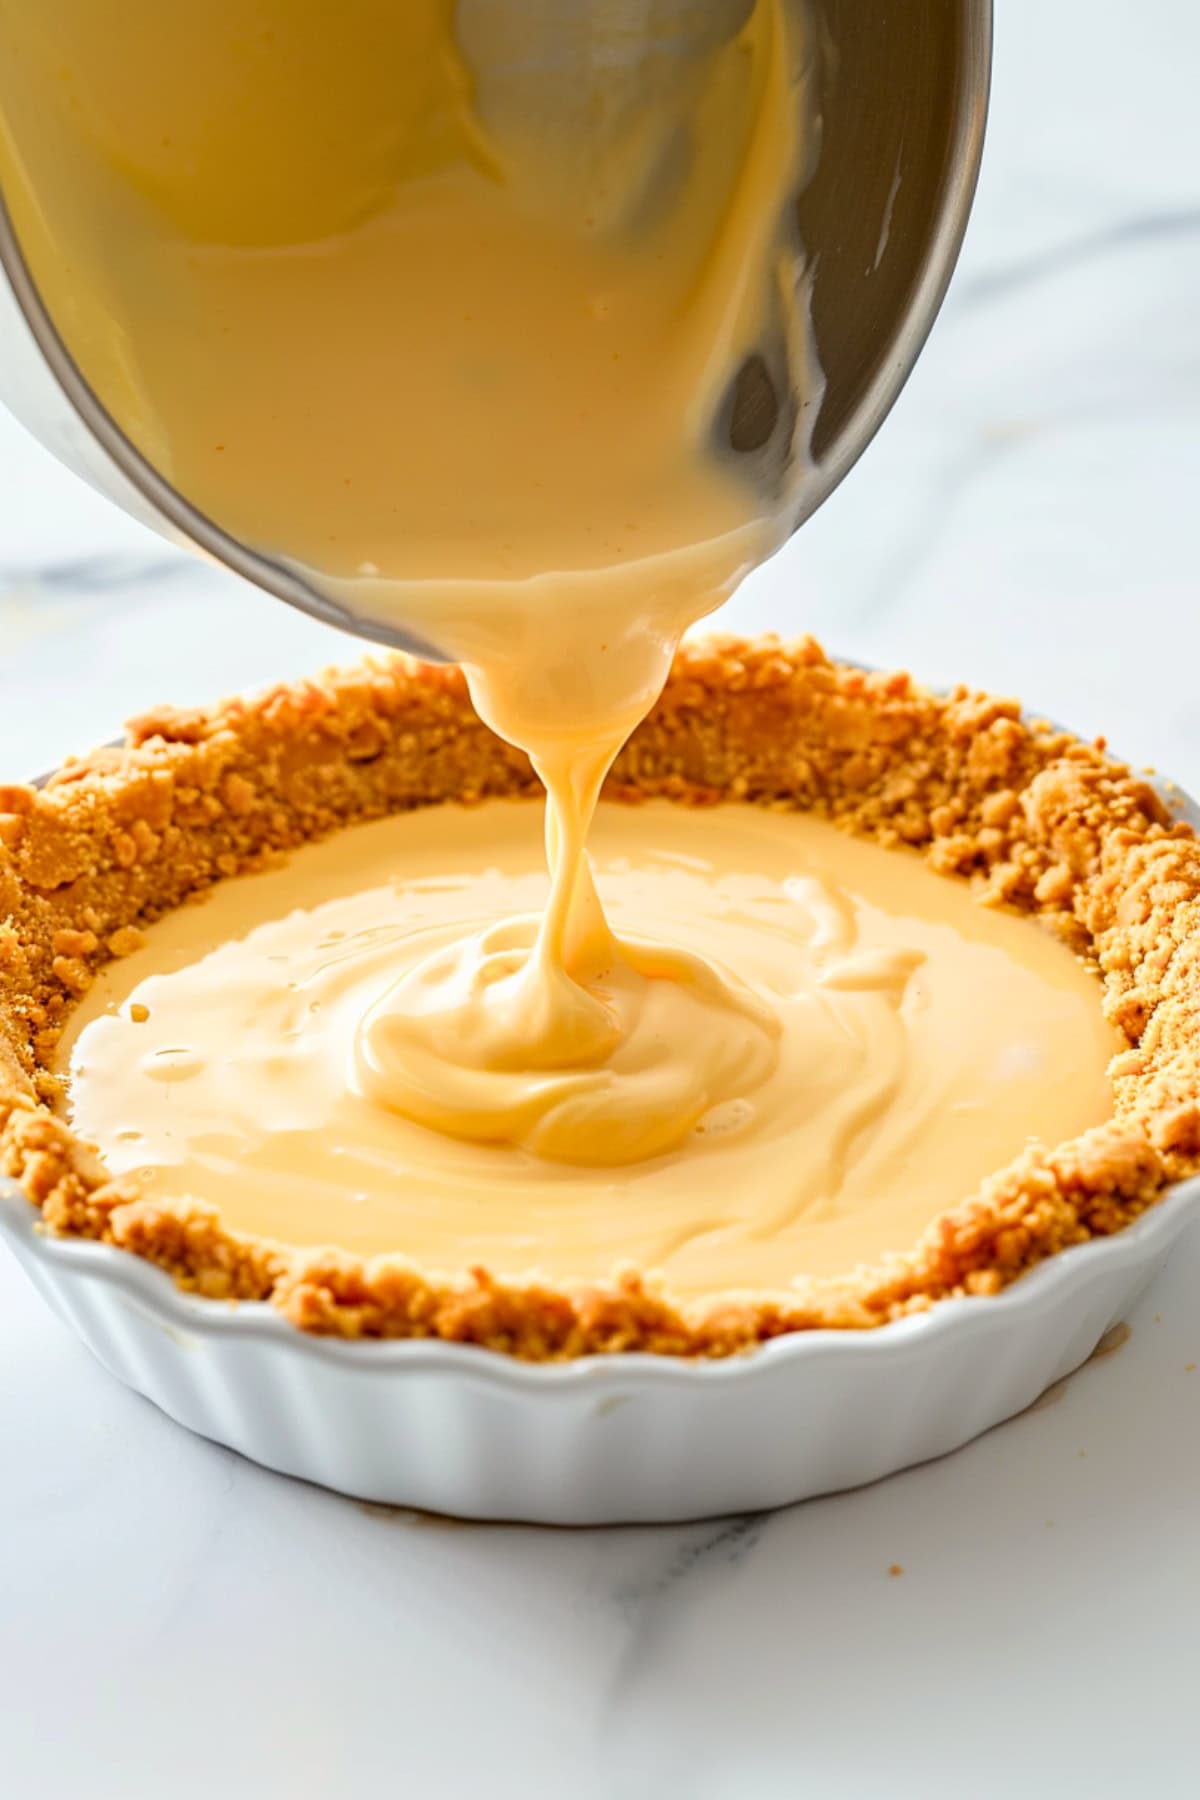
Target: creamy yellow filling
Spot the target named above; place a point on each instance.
(917, 1042)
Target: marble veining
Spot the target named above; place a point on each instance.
(176, 1621)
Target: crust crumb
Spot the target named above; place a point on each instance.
(125, 941)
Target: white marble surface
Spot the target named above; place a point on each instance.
(175, 1622)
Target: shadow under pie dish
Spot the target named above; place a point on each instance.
(850, 1378)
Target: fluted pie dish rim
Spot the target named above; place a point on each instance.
(187, 1315)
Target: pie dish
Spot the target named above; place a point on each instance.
(1032, 817)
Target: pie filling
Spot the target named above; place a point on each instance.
(837, 1046)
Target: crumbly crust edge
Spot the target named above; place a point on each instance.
(1031, 817)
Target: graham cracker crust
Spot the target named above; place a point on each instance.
(1031, 817)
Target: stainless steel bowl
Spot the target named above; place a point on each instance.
(903, 93)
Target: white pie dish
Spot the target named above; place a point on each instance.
(602, 1439)
(451, 1428)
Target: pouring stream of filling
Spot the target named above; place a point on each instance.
(468, 358)
(459, 319)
